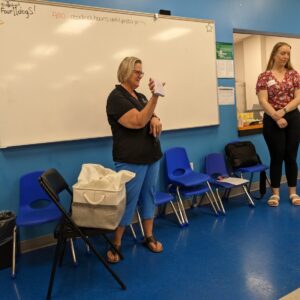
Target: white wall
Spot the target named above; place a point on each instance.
(253, 66)
(256, 51)
(239, 77)
(295, 52)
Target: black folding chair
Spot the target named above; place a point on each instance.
(53, 183)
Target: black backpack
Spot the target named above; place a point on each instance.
(243, 154)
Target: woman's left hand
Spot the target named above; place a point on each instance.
(282, 123)
(155, 127)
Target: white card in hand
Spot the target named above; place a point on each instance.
(158, 88)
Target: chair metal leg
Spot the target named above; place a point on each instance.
(250, 182)
(180, 212)
(220, 200)
(140, 222)
(74, 259)
(73, 252)
(213, 195)
(216, 210)
(176, 213)
(62, 253)
(186, 221)
(249, 197)
(88, 250)
(57, 255)
(133, 231)
(212, 203)
(181, 207)
(13, 271)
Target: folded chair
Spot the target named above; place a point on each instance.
(215, 166)
(35, 208)
(185, 182)
(53, 183)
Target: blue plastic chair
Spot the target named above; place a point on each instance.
(185, 182)
(260, 167)
(161, 198)
(215, 166)
(252, 169)
(35, 208)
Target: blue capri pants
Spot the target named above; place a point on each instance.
(140, 190)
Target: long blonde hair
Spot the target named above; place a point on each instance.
(273, 53)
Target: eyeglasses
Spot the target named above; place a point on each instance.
(138, 73)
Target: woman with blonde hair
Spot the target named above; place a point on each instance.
(136, 147)
(278, 91)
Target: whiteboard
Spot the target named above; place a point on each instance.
(59, 63)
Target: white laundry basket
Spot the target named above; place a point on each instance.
(99, 197)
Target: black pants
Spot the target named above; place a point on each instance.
(283, 146)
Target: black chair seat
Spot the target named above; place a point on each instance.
(69, 232)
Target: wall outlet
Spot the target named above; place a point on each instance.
(192, 165)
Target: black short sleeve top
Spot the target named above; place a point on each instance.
(134, 146)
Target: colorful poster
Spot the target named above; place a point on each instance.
(225, 68)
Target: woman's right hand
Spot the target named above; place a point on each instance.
(151, 85)
(282, 123)
(155, 127)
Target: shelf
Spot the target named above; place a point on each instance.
(250, 130)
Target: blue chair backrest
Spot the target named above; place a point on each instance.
(215, 165)
(177, 162)
(31, 192)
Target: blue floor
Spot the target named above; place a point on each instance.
(251, 253)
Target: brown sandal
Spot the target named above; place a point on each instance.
(149, 241)
(115, 251)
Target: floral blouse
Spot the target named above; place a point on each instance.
(279, 93)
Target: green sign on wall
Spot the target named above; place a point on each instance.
(225, 51)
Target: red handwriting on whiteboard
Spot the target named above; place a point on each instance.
(58, 15)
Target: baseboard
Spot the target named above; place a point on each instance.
(37, 243)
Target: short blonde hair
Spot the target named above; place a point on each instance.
(273, 53)
(126, 67)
